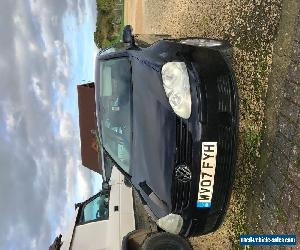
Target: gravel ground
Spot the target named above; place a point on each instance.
(142, 219)
(250, 25)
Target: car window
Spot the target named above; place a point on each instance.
(95, 209)
(115, 48)
(115, 109)
(107, 51)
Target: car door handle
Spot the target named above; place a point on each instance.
(116, 208)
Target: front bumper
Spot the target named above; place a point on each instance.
(214, 118)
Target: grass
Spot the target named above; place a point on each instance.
(252, 88)
(298, 162)
(249, 148)
(106, 33)
(120, 34)
(281, 215)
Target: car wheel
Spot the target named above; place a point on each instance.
(223, 46)
(166, 241)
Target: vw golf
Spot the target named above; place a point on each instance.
(168, 117)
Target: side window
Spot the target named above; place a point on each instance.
(95, 209)
(115, 94)
(115, 48)
(107, 51)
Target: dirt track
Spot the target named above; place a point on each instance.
(251, 27)
(134, 15)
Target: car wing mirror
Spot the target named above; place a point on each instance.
(77, 205)
(128, 35)
(105, 187)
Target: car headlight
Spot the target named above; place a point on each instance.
(172, 223)
(177, 87)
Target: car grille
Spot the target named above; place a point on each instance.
(181, 190)
(225, 145)
(226, 138)
(224, 94)
(227, 126)
(202, 107)
(183, 143)
(224, 169)
(226, 141)
(225, 100)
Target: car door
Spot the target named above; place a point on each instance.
(125, 206)
(98, 222)
(127, 219)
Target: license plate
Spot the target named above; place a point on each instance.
(208, 168)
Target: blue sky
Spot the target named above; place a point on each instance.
(78, 36)
(46, 49)
(80, 40)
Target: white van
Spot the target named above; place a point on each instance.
(106, 221)
(103, 220)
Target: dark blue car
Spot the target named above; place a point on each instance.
(168, 119)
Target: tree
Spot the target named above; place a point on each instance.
(105, 28)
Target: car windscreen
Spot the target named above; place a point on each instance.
(115, 109)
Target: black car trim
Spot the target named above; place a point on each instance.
(148, 191)
(146, 207)
(149, 64)
(145, 188)
(113, 55)
(181, 191)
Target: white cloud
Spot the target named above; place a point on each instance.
(2, 64)
(44, 164)
(62, 90)
(10, 122)
(62, 68)
(32, 46)
(83, 187)
(33, 244)
(38, 91)
(12, 117)
(54, 20)
(81, 13)
(66, 130)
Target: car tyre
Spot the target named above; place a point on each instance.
(166, 241)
